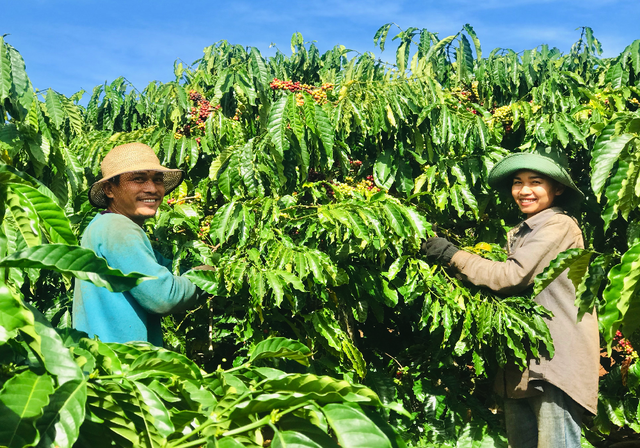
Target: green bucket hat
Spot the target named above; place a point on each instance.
(549, 163)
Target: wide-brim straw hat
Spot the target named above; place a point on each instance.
(130, 158)
(548, 163)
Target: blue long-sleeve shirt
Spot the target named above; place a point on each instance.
(134, 315)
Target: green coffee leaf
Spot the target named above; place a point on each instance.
(77, 261)
(63, 416)
(22, 399)
(280, 348)
(353, 428)
(577, 259)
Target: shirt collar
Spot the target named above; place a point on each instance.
(542, 217)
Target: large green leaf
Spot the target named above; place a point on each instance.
(51, 215)
(404, 177)
(434, 49)
(293, 439)
(587, 291)
(627, 198)
(277, 286)
(22, 399)
(379, 419)
(325, 132)
(622, 303)
(208, 281)
(226, 442)
(325, 324)
(561, 132)
(280, 348)
(384, 170)
(476, 42)
(77, 261)
(613, 191)
(277, 122)
(156, 418)
(107, 361)
(21, 86)
(576, 259)
(54, 108)
(355, 357)
(351, 219)
(14, 316)
(105, 406)
(25, 217)
(464, 59)
(259, 69)
(353, 428)
(56, 357)
(72, 111)
(266, 403)
(322, 389)
(62, 418)
(163, 363)
(5, 72)
(226, 221)
(402, 55)
(605, 153)
(617, 76)
(381, 35)
(247, 170)
(395, 218)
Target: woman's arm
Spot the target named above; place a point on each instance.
(519, 270)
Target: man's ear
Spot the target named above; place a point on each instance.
(108, 189)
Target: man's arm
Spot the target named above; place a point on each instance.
(127, 247)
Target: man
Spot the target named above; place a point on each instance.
(132, 187)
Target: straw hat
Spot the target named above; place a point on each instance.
(130, 158)
(550, 163)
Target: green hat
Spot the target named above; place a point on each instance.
(551, 164)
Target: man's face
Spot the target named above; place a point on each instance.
(137, 196)
(534, 192)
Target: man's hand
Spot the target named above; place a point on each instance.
(438, 249)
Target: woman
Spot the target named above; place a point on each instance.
(544, 403)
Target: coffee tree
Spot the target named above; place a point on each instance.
(311, 181)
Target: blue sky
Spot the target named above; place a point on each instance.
(78, 44)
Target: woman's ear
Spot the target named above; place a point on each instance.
(560, 189)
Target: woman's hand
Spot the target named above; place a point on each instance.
(438, 249)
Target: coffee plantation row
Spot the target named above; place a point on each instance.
(311, 181)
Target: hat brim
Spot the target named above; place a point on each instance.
(171, 179)
(501, 175)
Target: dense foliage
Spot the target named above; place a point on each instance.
(311, 181)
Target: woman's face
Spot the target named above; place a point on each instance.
(534, 192)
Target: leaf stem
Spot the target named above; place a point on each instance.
(186, 437)
(263, 421)
(192, 443)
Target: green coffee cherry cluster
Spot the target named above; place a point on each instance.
(504, 115)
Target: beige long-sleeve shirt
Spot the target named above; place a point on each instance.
(532, 245)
